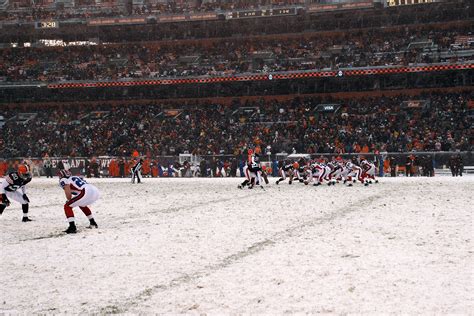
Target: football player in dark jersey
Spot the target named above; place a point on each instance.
(286, 170)
(13, 186)
(253, 172)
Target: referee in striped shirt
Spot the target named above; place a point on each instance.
(136, 172)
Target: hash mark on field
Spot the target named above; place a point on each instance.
(127, 304)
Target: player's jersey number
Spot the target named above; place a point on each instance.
(79, 182)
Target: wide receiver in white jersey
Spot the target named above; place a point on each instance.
(78, 193)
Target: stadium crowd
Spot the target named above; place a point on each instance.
(34, 11)
(429, 122)
(236, 56)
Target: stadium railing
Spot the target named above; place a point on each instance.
(231, 165)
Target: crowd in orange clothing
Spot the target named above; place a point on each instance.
(116, 164)
(426, 122)
(233, 56)
(3, 168)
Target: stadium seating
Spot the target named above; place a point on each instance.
(426, 122)
(236, 56)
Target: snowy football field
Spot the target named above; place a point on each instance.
(201, 246)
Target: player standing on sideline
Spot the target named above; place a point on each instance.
(13, 187)
(78, 193)
(136, 171)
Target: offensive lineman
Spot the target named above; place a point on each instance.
(13, 187)
(368, 171)
(78, 193)
(318, 172)
(286, 170)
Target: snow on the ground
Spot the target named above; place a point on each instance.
(201, 246)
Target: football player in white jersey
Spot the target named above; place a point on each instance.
(318, 172)
(78, 193)
(347, 173)
(357, 173)
(368, 171)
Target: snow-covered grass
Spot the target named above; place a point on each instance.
(203, 246)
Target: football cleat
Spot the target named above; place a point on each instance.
(26, 219)
(71, 229)
(93, 224)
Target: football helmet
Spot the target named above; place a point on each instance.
(24, 171)
(63, 173)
